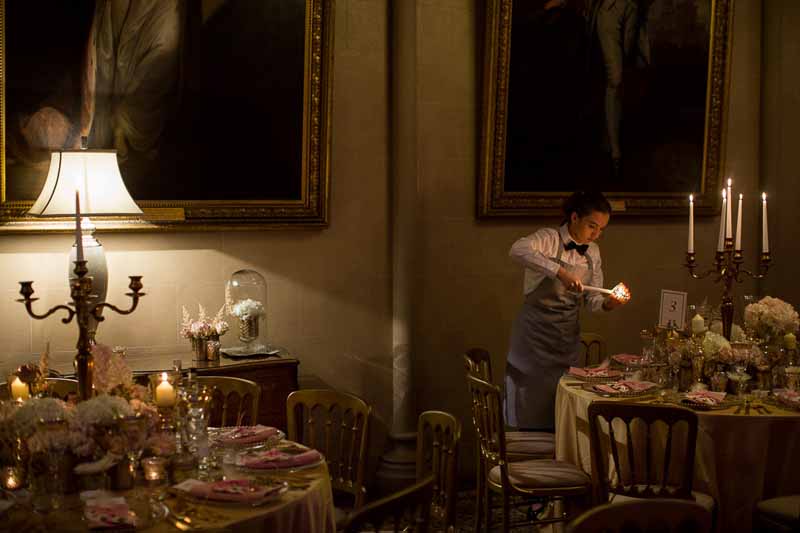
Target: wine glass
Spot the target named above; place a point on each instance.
(133, 430)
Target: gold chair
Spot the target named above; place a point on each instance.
(234, 401)
(663, 515)
(520, 445)
(438, 437)
(536, 478)
(336, 424)
(593, 349)
(778, 515)
(636, 474)
(408, 509)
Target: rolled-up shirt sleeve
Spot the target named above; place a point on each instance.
(594, 300)
(532, 252)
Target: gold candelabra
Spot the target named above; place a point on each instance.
(80, 291)
(728, 269)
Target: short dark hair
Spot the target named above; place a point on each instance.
(584, 202)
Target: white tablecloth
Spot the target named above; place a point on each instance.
(739, 459)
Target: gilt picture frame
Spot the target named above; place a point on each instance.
(571, 102)
(235, 133)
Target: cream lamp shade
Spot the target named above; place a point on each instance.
(95, 175)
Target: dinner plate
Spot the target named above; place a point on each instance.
(215, 437)
(616, 375)
(286, 448)
(269, 497)
(635, 363)
(701, 406)
(627, 394)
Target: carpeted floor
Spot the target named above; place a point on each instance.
(465, 516)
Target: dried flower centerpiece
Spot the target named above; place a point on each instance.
(202, 330)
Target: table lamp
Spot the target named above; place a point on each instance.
(95, 177)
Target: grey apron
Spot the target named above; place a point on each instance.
(544, 343)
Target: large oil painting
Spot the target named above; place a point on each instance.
(622, 96)
(219, 110)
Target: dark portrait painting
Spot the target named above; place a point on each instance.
(624, 96)
(220, 107)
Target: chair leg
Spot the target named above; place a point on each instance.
(487, 507)
(506, 513)
(479, 494)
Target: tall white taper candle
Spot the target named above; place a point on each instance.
(728, 220)
(721, 243)
(78, 234)
(739, 224)
(764, 229)
(690, 248)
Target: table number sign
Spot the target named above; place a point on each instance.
(673, 309)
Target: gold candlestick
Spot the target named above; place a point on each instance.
(728, 269)
(82, 309)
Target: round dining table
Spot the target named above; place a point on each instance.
(305, 507)
(740, 458)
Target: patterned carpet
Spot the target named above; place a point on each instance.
(465, 516)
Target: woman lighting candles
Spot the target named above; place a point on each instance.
(545, 337)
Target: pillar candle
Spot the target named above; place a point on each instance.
(739, 224)
(690, 248)
(721, 243)
(764, 230)
(78, 234)
(165, 392)
(728, 224)
(19, 390)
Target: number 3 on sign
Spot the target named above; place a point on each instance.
(673, 309)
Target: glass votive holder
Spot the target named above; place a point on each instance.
(719, 382)
(164, 388)
(12, 477)
(212, 350)
(155, 470)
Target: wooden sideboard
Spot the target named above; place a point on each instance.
(276, 376)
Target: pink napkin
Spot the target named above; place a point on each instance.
(108, 513)
(706, 396)
(277, 459)
(625, 386)
(233, 490)
(247, 434)
(627, 358)
(595, 372)
(789, 396)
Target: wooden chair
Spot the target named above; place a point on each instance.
(520, 445)
(537, 478)
(408, 509)
(438, 437)
(593, 349)
(336, 424)
(778, 515)
(662, 515)
(234, 401)
(636, 474)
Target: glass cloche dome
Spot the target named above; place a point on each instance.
(246, 300)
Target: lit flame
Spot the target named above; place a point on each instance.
(621, 292)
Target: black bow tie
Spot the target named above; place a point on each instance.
(572, 245)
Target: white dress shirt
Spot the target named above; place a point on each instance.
(537, 253)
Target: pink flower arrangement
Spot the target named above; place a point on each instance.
(771, 318)
(204, 326)
(111, 371)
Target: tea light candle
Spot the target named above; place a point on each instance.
(10, 478)
(155, 468)
(19, 390)
(165, 392)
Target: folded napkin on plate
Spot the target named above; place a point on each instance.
(276, 458)
(627, 358)
(789, 396)
(594, 372)
(103, 513)
(232, 490)
(247, 434)
(706, 397)
(625, 386)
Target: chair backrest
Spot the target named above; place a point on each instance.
(408, 509)
(438, 437)
(478, 363)
(336, 424)
(593, 349)
(234, 401)
(662, 515)
(637, 469)
(487, 417)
